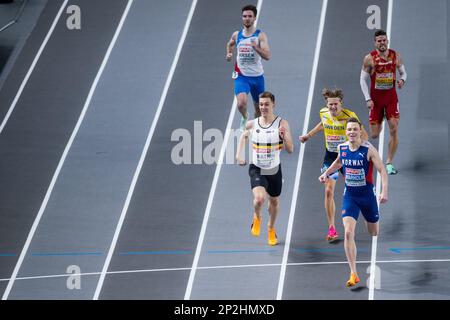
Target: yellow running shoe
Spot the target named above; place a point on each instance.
(256, 226)
(353, 280)
(272, 238)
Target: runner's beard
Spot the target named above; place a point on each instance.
(248, 25)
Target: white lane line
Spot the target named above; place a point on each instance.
(373, 257)
(144, 151)
(212, 191)
(64, 155)
(302, 151)
(33, 65)
(220, 267)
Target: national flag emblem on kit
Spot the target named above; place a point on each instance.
(344, 154)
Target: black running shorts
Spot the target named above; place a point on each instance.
(272, 183)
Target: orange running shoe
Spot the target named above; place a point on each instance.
(353, 280)
(272, 238)
(256, 226)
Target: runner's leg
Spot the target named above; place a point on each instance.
(349, 242)
(242, 104)
(393, 139)
(330, 206)
(274, 208)
(259, 197)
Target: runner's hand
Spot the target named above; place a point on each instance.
(240, 161)
(370, 104)
(323, 178)
(304, 138)
(229, 56)
(282, 132)
(400, 83)
(382, 198)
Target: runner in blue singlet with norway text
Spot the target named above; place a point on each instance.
(359, 193)
(357, 158)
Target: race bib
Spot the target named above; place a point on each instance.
(333, 141)
(246, 54)
(384, 81)
(264, 158)
(355, 177)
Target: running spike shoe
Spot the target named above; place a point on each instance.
(352, 281)
(272, 237)
(390, 169)
(256, 226)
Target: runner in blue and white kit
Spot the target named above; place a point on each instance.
(248, 75)
(357, 158)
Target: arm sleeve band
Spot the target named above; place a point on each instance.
(402, 72)
(363, 82)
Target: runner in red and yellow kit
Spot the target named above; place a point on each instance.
(333, 118)
(381, 66)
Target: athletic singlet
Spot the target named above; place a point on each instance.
(334, 127)
(266, 144)
(248, 61)
(357, 168)
(384, 71)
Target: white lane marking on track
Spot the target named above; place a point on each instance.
(64, 155)
(144, 151)
(373, 258)
(220, 267)
(33, 65)
(212, 192)
(302, 151)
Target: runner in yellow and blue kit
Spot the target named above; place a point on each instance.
(332, 121)
(357, 158)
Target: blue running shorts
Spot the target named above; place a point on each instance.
(366, 203)
(253, 85)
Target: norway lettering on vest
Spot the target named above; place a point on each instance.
(357, 168)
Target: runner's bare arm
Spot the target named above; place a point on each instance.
(285, 134)
(367, 63)
(230, 46)
(374, 156)
(242, 140)
(317, 128)
(335, 166)
(364, 134)
(263, 48)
